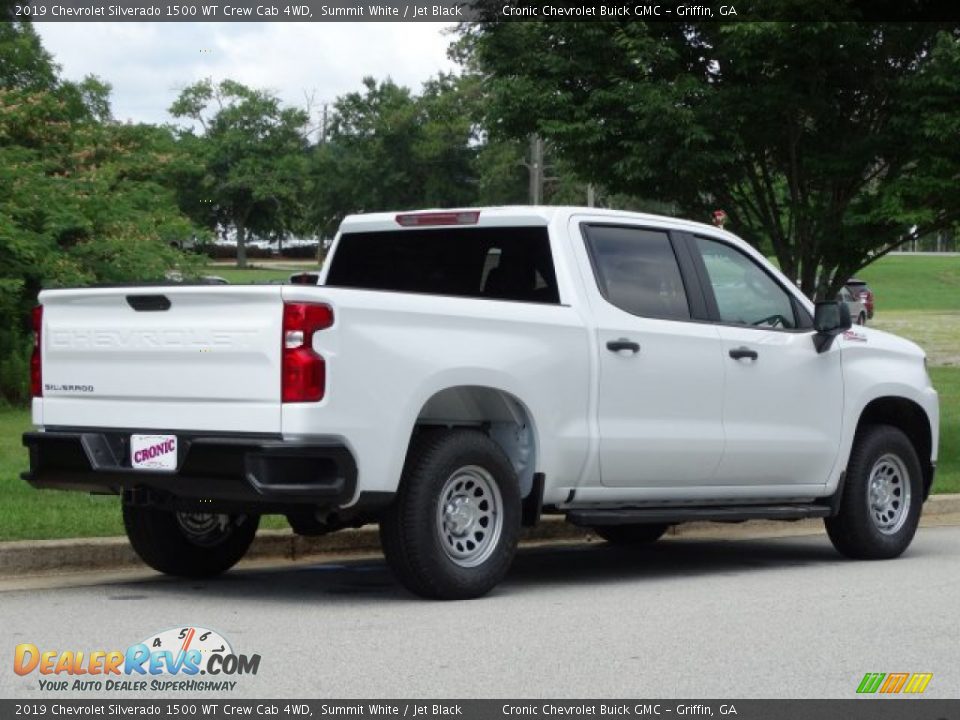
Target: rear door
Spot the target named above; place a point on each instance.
(660, 373)
(177, 358)
(783, 402)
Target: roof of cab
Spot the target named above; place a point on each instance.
(526, 215)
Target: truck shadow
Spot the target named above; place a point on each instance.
(672, 560)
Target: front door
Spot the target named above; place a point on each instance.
(782, 402)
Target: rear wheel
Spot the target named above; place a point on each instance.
(194, 545)
(452, 530)
(862, 319)
(882, 496)
(631, 534)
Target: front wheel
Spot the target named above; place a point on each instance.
(882, 496)
(452, 530)
(194, 545)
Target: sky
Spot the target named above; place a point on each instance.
(149, 63)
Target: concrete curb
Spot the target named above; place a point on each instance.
(39, 557)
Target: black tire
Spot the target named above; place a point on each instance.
(410, 529)
(854, 531)
(862, 319)
(642, 534)
(162, 542)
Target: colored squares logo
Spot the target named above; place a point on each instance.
(894, 683)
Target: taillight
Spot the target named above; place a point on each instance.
(304, 373)
(464, 217)
(36, 371)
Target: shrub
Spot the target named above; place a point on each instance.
(14, 368)
(301, 252)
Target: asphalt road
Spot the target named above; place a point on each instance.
(783, 617)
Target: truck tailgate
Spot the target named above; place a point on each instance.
(170, 357)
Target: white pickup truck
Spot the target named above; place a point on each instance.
(452, 375)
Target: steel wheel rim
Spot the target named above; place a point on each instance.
(888, 494)
(205, 529)
(469, 516)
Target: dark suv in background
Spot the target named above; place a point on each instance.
(862, 291)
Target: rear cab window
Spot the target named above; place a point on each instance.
(502, 263)
(637, 271)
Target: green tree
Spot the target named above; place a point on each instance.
(829, 143)
(387, 149)
(252, 151)
(82, 199)
(24, 64)
(501, 176)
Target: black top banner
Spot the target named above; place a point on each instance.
(481, 10)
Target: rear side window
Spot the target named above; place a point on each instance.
(637, 271)
(495, 263)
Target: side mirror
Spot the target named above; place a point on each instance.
(832, 317)
(829, 320)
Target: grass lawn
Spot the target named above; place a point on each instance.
(936, 331)
(914, 282)
(29, 513)
(947, 382)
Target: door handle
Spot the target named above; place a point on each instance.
(623, 344)
(743, 352)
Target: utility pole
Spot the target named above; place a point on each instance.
(323, 125)
(591, 195)
(535, 169)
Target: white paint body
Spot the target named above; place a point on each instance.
(677, 422)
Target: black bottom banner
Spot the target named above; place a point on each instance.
(857, 709)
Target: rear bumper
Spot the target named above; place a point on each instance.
(248, 471)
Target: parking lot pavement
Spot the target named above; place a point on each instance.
(705, 618)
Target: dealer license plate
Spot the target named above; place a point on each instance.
(153, 452)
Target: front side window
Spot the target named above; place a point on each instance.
(745, 294)
(637, 271)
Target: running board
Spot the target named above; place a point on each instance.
(720, 513)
